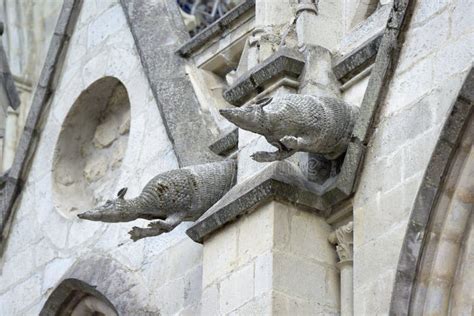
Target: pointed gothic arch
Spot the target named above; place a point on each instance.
(73, 297)
(433, 269)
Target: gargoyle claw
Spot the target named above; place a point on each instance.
(290, 142)
(265, 156)
(138, 233)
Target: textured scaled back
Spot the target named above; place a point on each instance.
(210, 182)
(170, 189)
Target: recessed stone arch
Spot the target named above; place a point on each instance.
(435, 264)
(91, 146)
(74, 297)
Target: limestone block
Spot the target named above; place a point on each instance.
(250, 247)
(95, 168)
(220, 255)
(171, 296)
(232, 293)
(260, 305)
(124, 127)
(104, 26)
(11, 273)
(274, 12)
(210, 301)
(13, 301)
(461, 22)
(80, 233)
(403, 126)
(425, 39)
(455, 58)
(404, 90)
(54, 272)
(263, 274)
(105, 134)
(424, 10)
(293, 230)
(44, 252)
(298, 277)
(417, 153)
(377, 256)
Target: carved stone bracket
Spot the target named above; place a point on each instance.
(343, 239)
(286, 63)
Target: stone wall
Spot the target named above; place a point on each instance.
(156, 275)
(437, 53)
(277, 252)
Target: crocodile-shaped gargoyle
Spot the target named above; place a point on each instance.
(294, 122)
(170, 198)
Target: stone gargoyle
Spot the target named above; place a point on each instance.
(294, 122)
(169, 198)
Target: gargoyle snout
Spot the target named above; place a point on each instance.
(92, 215)
(230, 114)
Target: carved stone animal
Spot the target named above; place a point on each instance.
(294, 122)
(170, 197)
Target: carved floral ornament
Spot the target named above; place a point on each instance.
(343, 239)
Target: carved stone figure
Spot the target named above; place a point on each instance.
(170, 198)
(293, 122)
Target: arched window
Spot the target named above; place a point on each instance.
(76, 298)
(91, 146)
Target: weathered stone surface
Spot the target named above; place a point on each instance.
(67, 19)
(382, 71)
(285, 62)
(280, 181)
(169, 198)
(175, 96)
(424, 206)
(226, 144)
(294, 122)
(6, 81)
(357, 61)
(215, 29)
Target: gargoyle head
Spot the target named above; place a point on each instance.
(250, 117)
(112, 211)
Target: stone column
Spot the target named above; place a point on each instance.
(274, 261)
(343, 239)
(272, 20)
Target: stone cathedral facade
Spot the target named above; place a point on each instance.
(254, 157)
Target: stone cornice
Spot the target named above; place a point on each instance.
(215, 29)
(279, 181)
(284, 63)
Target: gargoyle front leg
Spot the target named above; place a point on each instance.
(158, 227)
(266, 156)
(293, 142)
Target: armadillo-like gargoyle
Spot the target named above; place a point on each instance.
(170, 198)
(294, 122)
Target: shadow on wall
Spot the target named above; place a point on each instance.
(91, 146)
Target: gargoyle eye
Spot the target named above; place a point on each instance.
(263, 102)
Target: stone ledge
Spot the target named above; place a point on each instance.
(349, 66)
(7, 82)
(284, 63)
(226, 144)
(281, 181)
(215, 29)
